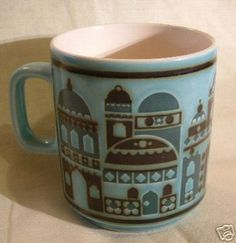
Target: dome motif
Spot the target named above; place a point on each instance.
(118, 100)
(118, 96)
(159, 102)
(141, 150)
(68, 99)
(200, 115)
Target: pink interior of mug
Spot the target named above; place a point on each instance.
(133, 41)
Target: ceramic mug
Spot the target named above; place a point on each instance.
(133, 106)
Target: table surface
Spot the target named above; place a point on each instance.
(32, 206)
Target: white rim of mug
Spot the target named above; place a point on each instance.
(136, 61)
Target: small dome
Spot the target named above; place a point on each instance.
(141, 150)
(200, 115)
(159, 102)
(69, 100)
(118, 96)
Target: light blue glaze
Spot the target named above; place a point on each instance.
(83, 141)
(188, 89)
(25, 135)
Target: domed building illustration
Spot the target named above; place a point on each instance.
(80, 150)
(155, 163)
(159, 115)
(196, 153)
(143, 149)
(119, 120)
(137, 177)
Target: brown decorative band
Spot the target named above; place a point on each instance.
(195, 144)
(112, 115)
(197, 128)
(77, 121)
(150, 121)
(111, 74)
(153, 167)
(138, 171)
(78, 158)
(132, 221)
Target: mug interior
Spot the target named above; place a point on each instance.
(132, 41)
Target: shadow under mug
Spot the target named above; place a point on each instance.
(133, 105)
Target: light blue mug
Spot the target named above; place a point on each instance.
(133, 106)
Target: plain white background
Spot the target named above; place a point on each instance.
(24, 18)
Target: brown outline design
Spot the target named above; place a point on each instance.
(80, 158)
(76, 121)
(157, 126)
(199, 142)
(91, 179)
(132, 221)
(122, 207)
(149, 180)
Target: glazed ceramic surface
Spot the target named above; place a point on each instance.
(134, 115)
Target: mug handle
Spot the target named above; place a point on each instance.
(24, 133)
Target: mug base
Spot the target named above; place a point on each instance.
(134, 228)
(153, 227)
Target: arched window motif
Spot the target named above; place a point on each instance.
(189, 185)
(67, 178)
(80, 192)
(64, 133)
(133, 193)
(74, 139)
(119, 130)
(191, 168)
(88, 144)
(150, 203)
(94, 192)
(167, 189)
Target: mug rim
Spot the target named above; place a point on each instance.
(102, 26)
(142, 65)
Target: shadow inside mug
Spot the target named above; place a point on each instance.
(166, 43)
